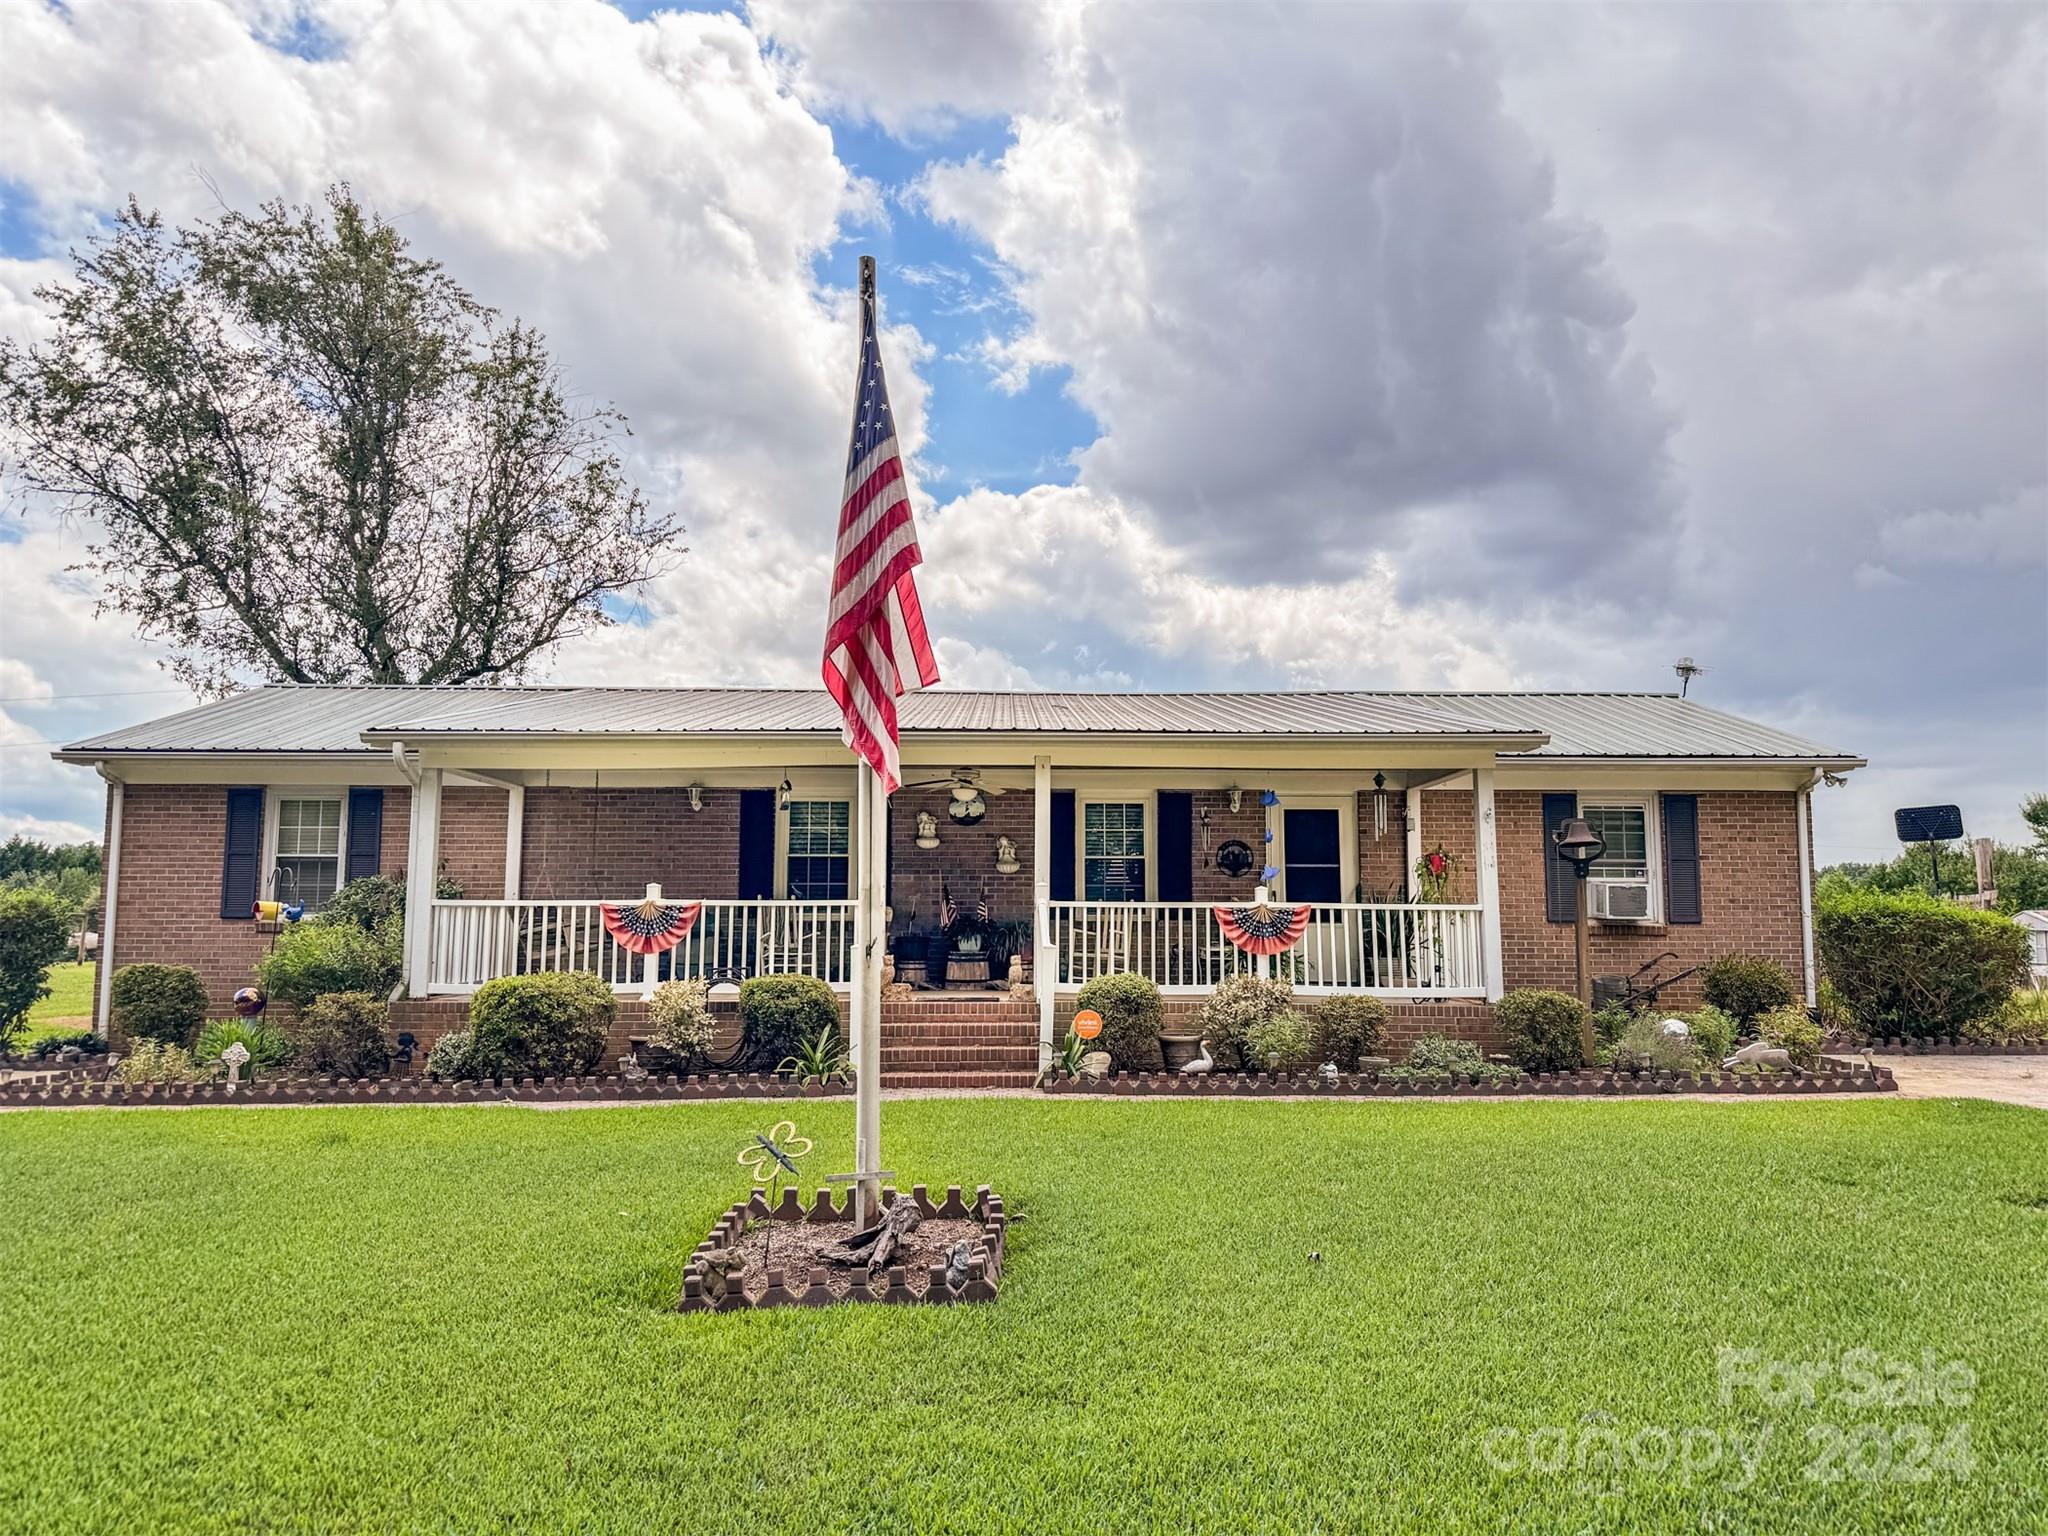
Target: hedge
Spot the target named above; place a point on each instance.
(777, 1012)
(1544, 1030)
(1131, 1015)
(34, 931)
(1908, 966)
(165, 1003)
(550, 1025)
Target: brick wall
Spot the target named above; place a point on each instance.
(1447, 819)
(609, 843)
(965, 859)
(167, 908)
(472, 838)
(1383, 861)
(1247, 824)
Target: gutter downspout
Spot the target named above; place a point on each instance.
(110, 892)
(1802, 803)
(411, 775)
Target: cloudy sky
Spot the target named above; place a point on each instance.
(1326, 345)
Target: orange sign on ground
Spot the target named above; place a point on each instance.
(1087, 1023)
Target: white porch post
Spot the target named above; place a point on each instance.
(110, 894)
(1045, 959)
(1414, 841)
(1802, 807)
(515, 838)
(422, 867)
(1489, 880)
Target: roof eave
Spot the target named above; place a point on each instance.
(382, 737)
(1828, 763)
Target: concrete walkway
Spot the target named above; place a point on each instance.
(2007, 1079)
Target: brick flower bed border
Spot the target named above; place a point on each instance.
(1832, 1076)
(81, 1090)
(1940, 1046)
(984, 1264)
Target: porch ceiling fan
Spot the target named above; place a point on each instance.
(967, 805)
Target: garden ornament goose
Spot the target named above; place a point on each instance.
(1202, 1065)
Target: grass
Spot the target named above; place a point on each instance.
(69, 1005)
(365, 1319)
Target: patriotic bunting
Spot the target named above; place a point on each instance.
(649, 927)
(1264, 929)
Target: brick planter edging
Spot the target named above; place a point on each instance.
(1938, 1046)
(984, 1264)
(417, 1090)
(1832, 1076)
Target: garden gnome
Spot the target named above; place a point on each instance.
(236, 1056)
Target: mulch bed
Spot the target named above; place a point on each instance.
(784, 1248)
(79, 1088)
(1831, 1076)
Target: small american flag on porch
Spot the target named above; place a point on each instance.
(876, 648)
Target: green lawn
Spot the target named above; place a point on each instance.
(365, 1319)
(69, 1005)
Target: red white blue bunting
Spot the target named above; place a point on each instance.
(1263, 929)
(649, 927)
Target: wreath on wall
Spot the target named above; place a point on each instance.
(1434, 872)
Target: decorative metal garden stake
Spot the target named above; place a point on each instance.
(768, 1159)
(236, 1056)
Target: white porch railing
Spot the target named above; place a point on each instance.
(477, 941)
(1349, 947)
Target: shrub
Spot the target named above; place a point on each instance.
(1713, 1031)
(550, 1025)
(822, 1058)
(1342, 1029)
(1792, 1030)
(1746, 985)
(1279, 1042)
(777, 1013)
(369, 903)
(1543, 1029)
(314, 958)
(34, 929)
(54, 1042)
(680, 1022)
(1835, 1017)
(1608, 1024)
(1233, 1008)
(1912, 966)
(453, 1058)
(165, 1003)
(266, 1044)
(343, 1034)
(2024, 1018)
(1644, 1047)
(1436, 1057)
(1131, 1016)
(158, 1061)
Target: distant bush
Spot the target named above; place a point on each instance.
(1279, 1043)
(1344, 1028)
(453, 1058)
(1228, 1015)
(34, 929)
(1913, 967)
(158, 1061)
(369, 903)
(321, 955)
(1645, 1047)
(1792, 1030)
(342, 1034)
(1542, 1029)
(680, 1022)
(1131, 1017)
(1744, 986)
(266, 1044)
(779, 1013)
(549, 1025)
(165, 1003)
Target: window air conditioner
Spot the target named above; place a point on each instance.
(1620, 900)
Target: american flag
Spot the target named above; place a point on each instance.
(947, 911)
(876, 648)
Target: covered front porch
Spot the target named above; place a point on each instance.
(1114, 856)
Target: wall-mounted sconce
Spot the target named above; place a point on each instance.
(696, 797)
(782, 797)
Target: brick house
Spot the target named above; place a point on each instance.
(1100, 830)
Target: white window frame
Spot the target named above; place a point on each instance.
(1149, 800)
(274, 797)
(1651, 805)
(853, 838)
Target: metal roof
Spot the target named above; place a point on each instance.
(336, 719)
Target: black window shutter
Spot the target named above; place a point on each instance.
(1682, 858)
(1560, 900)
(1176, 845)
(365, 833)
(240, 877)
(1062, 851)
(757, 844)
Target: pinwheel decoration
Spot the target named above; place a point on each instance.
(652, 926)
(1263, 928)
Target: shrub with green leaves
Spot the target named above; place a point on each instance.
(1543, 1029)
(342, 1034)
(549, 1025)
(319, 956)
(1132, 1014)
(778, 1013)
(1792, 1030)
(1645, 1047)
(1713, 1031)
(1239, 1002)
(1280, 1042)
(453, 1058)
(1744, 986)
(266, 1044)
(62, 1039)
(1913, 967)
(35, 928)
(1344, 1028)
(1438, 1058)
(369, 902)
(681, 1023)
(165, 1003)
(1608, 1023)
(161, 1061)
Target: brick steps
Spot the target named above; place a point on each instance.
(959, 1041)
(965, 1058)
(958, 1079)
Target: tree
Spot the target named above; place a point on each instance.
(2035, 810)
(2020, 872)
(311, 454)
(32, 935)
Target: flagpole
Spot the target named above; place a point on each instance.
(867, 1007)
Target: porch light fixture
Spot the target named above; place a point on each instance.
(968, 809)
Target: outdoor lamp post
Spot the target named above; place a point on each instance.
(1580, 847)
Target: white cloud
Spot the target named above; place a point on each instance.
(2009, 532)
(39, 830)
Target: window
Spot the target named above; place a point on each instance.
(1626, 831)
(308, 863)
(1113, 850)
(819, 837)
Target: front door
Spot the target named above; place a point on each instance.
(1313, 851)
